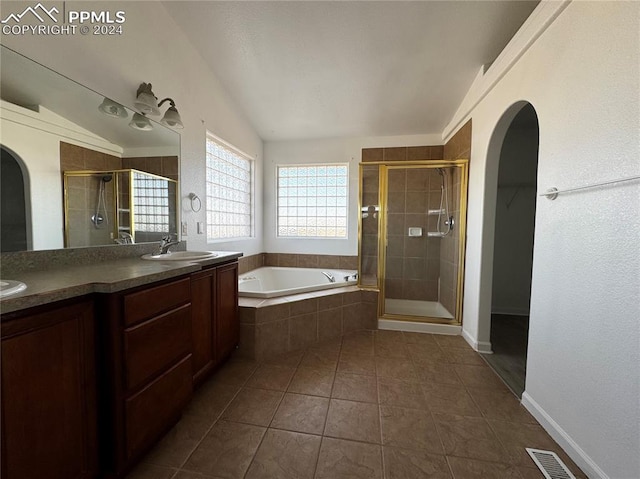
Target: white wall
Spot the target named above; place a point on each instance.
(582, 77)
(334, 150)
(153, 49)
(515, 211)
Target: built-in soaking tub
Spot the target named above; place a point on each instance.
(271, 281)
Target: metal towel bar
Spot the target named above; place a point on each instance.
(552, 193)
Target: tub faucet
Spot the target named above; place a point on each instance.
(166, 243)
(329, 277)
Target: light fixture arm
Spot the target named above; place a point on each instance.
(171, 102)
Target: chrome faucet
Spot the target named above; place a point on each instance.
(329, 277)
(166, 243)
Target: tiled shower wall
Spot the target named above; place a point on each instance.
(83, 194)
(249, 263)
(413, 263)
(458, 147)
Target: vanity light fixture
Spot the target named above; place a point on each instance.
(146, 102)
(140, 122)
(112, 108)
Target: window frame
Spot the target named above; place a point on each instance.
(277, 201)
(252, 188)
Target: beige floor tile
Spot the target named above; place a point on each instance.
(315, 382)
(348, 460)
(394, 392)
(227, 450)
(235, 373)
(469, 437)
(320, 359)
(449, 399)
(389, 336)
(353, 420)
(291, 359)
(193, 475)
(451, 341)
(354, 364)
(411, 464)
(358, 346)
(420, 338)
(479, 377)
(433, 372)
(530, 473)
(286, 455)
(464, 468)
(515, 437)
(409, 429)
(387, 349)
(396, 369)
(269, 376)
(211, 399)
(301, 413)
(176, 446)
(355, 387)
(253, 406)
(151, 471)
(501, 405)
(464, 356)
(427, 353)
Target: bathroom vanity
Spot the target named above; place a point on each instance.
(91, 382)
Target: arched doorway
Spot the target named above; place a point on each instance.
(514, 183)
(15, 216)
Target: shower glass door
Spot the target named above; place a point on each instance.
(424, 212)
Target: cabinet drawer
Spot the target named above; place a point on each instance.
(151, 346)
(148, 303)
(149, 412)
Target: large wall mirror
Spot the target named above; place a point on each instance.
(77, 168)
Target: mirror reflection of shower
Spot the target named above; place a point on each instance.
(101, 217)
(443, 227)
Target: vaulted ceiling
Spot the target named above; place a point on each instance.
(356, 68)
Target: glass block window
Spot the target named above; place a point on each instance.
(150, 203)
(312, 201)
(229, 192)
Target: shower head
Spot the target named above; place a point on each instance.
(440, 171)
(106, 178)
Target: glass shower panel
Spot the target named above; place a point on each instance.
(421, 254)
(369, 224)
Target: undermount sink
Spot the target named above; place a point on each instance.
(181, 256)
(9, 287)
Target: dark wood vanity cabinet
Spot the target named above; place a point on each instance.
(145, 368)
(215, 323)
(49, 393)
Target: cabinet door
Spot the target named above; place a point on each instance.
(202, 321)
(48, 395)
(227, 319)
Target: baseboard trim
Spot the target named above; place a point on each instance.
(512, 312)
(417, 327)
(480, 346)
(575, 452)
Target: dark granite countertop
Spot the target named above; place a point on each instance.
(64, 282)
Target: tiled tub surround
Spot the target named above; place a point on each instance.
(259, 260)
(291, 323)
(378, 404)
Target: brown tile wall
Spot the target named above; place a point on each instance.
(290, 323)
(413, 265)
(403, 153)
(83, 195)
(459, 146)
(249, 263)
(166, 166)
(311, 261)
(369, 241)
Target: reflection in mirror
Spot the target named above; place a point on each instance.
(121, 206)
(51, 125)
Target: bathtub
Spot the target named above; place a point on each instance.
(271, 281)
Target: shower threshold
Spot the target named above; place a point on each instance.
(407, 307)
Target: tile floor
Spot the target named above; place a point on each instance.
(377, 404)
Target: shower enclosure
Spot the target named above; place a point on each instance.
(412, 229)
(119, 206)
